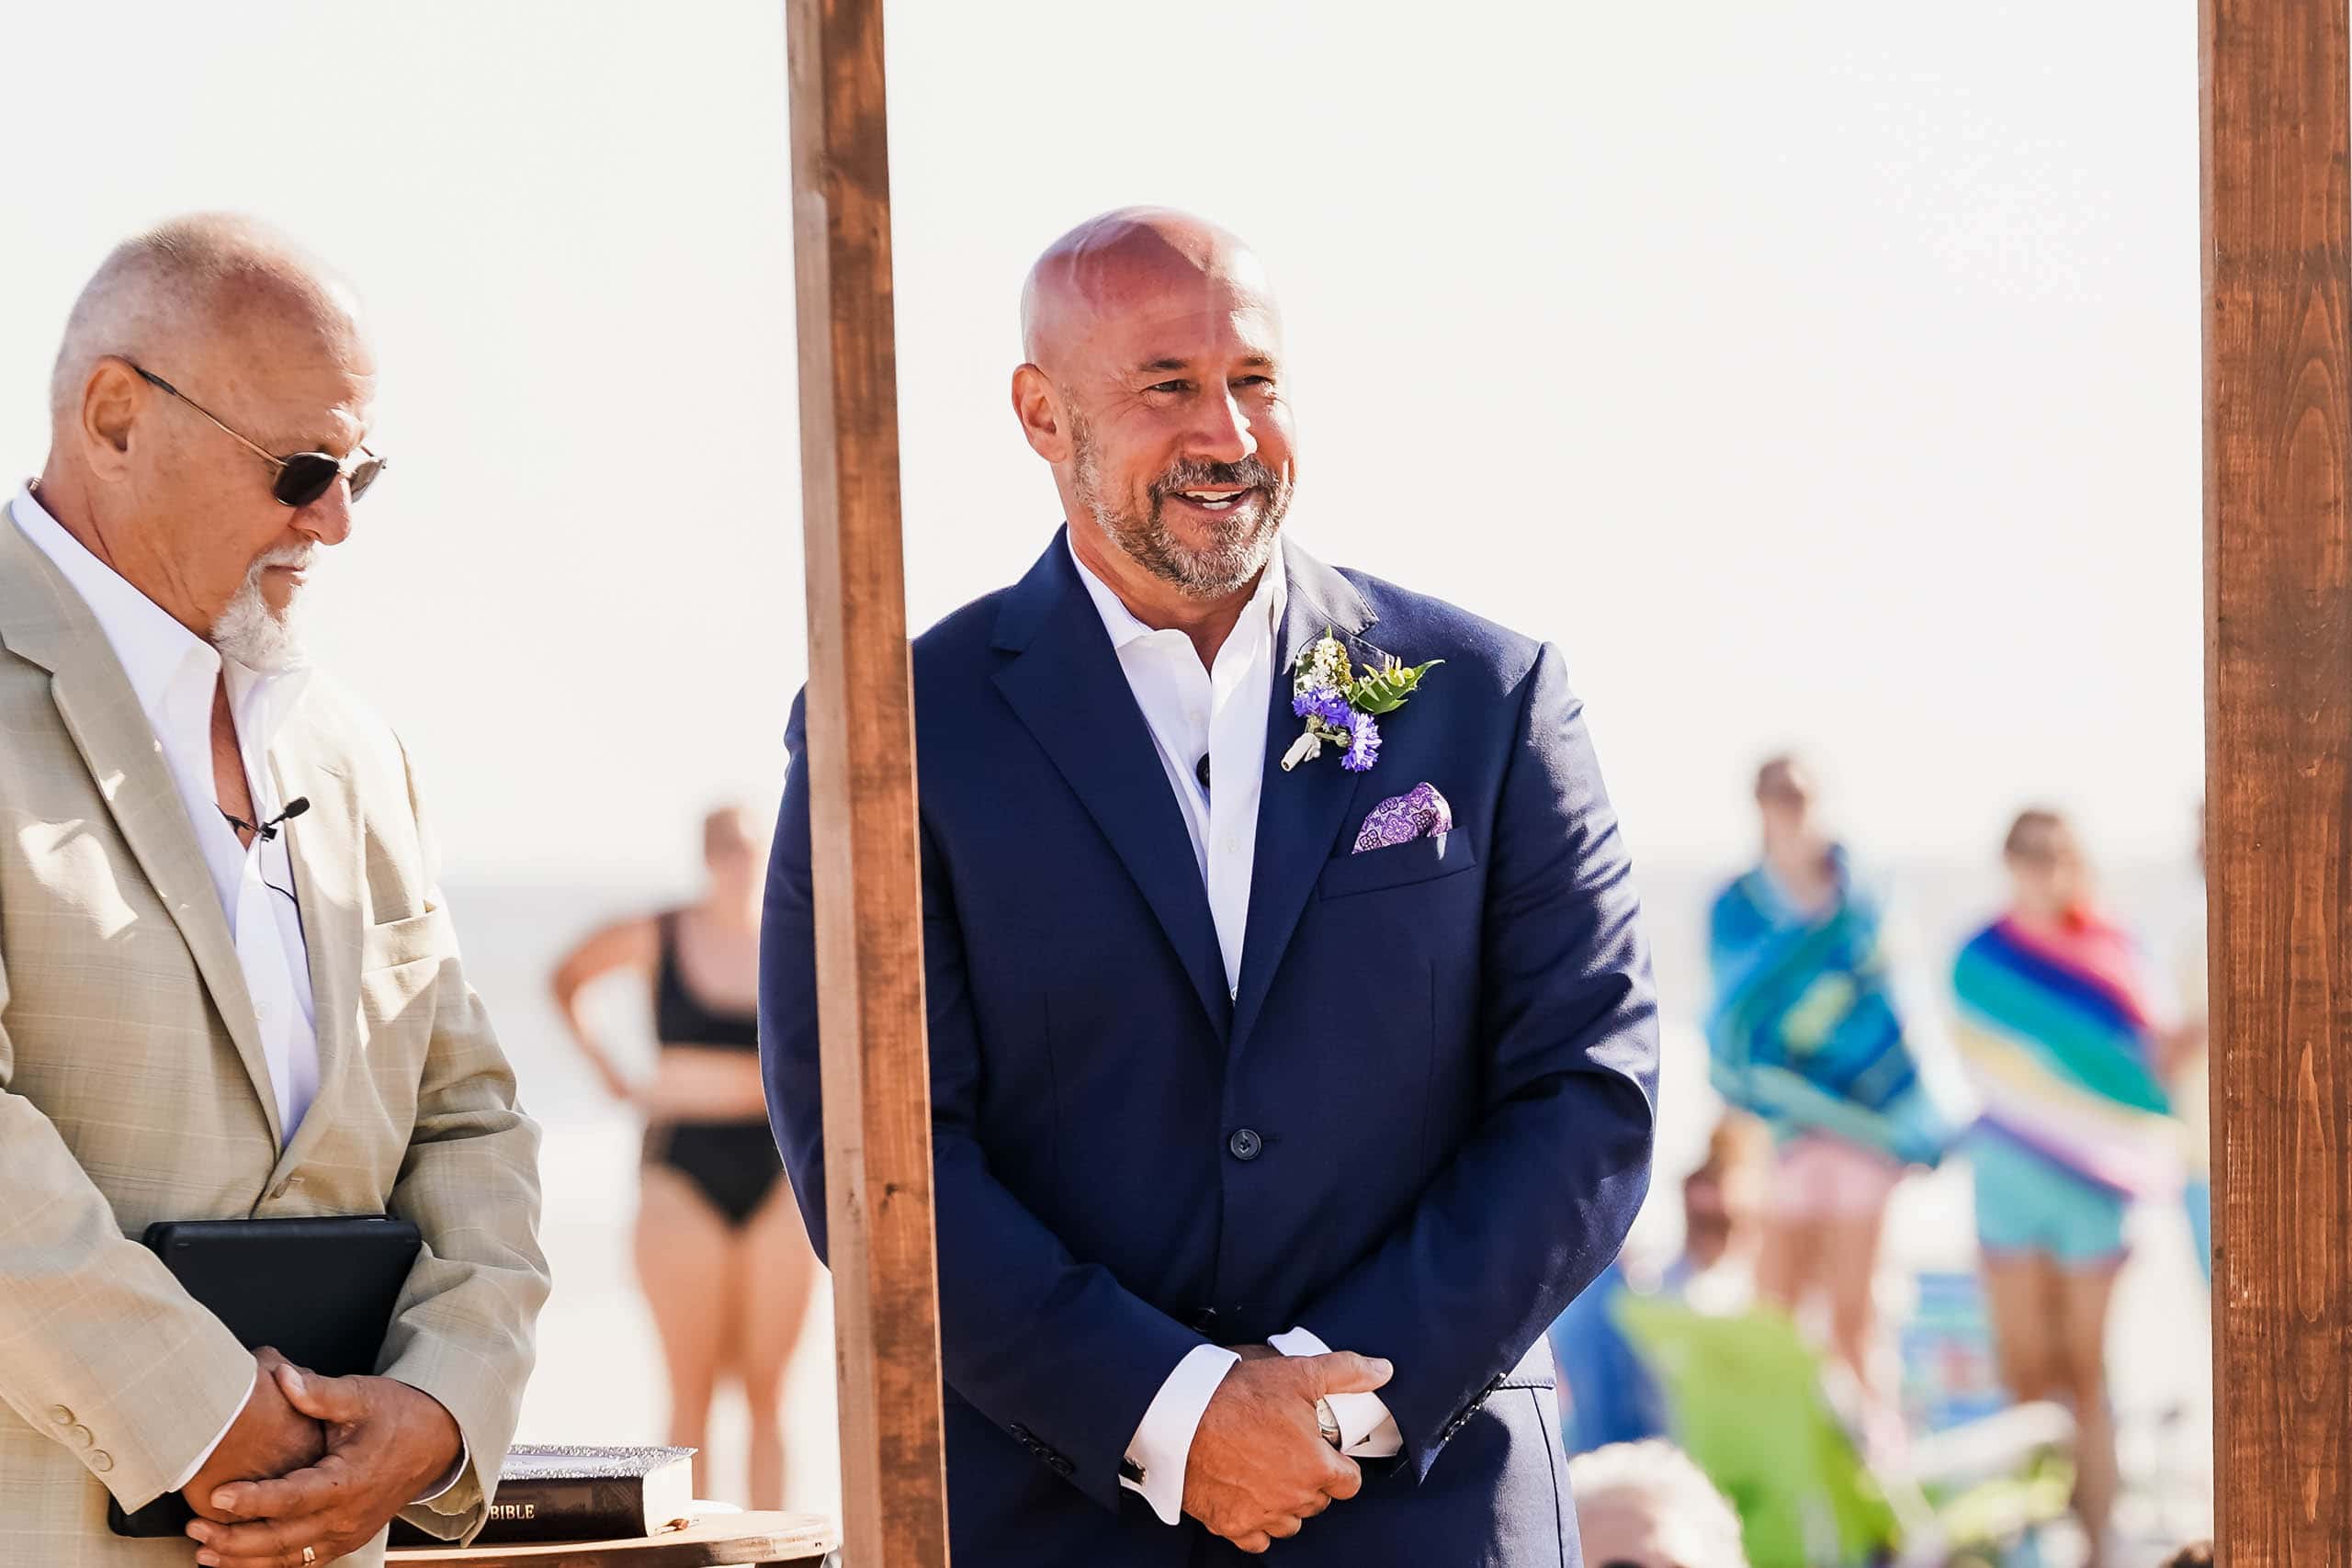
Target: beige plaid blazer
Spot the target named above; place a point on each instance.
(133, 1088)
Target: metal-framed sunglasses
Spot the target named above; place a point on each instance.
(302, 477)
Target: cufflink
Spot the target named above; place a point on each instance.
(1327, 1423)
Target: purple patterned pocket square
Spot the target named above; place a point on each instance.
(1420, 813)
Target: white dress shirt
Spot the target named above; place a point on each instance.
(172, 673)
(1218, 712)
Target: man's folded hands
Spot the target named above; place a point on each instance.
(384, 1445)
(1259, 1467)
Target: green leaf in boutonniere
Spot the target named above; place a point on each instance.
(1384, 690)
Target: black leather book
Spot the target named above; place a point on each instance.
(320, 1290)
(567, 1492)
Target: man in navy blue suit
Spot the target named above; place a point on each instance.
(1293, 1045)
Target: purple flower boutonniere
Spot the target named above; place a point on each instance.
(1343, 708)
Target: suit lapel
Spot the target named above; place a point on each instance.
(325, 849)
(1300, 813)
(1067, 686)
(43, 619)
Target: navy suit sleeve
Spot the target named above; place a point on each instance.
(1538, 1200)
(1054, 1350)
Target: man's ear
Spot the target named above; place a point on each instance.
(1039, 407)
(112, 400)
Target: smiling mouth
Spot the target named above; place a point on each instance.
(1220, 501)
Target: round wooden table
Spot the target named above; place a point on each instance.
(804, 1541)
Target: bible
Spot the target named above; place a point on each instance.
(567, 1492)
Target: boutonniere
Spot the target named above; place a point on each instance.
(1343, 708)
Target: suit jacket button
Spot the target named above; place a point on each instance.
(1203, 1320)
(101, 1461)
(80, 1436)
(59, 1417)
(1245, 1144)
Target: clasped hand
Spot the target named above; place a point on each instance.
(319, 1462)
(1258, 1467)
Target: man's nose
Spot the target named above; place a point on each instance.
(1224, 435)
(328, 519)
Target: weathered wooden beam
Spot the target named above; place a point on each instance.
(2278, 213)
(861, 789)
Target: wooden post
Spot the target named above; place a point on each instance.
(2279, 769)
(862, 786)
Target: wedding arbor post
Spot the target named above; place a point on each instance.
(862, 792)
(2277, 231)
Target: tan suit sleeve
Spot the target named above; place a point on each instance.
(463, 1329)
(100, 1348)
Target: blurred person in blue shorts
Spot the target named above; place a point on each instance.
(2065, 1032)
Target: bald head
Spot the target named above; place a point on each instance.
(1135, 259)
(1155, 387)
(195, 280)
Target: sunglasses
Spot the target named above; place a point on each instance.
(302, 477)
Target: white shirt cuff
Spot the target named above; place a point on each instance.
(1366, 1429)
(1163, 1440)
(457, 1473)
(210, 1447)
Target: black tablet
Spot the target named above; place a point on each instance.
(320, 1290)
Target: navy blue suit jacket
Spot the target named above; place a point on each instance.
(1444, 1053)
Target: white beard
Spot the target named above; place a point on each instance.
(253, 634)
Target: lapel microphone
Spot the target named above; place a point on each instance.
(267, 830)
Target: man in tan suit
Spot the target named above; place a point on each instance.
(211, 1006)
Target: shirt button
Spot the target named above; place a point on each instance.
(1245, 1144)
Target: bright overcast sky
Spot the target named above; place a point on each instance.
(1823, 372)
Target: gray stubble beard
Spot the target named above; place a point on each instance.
(1229, 564)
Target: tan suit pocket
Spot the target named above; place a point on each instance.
(398, 963)
(395, 942)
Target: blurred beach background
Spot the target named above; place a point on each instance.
(600, 1368)
(1818, 376)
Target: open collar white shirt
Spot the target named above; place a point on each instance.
(173, 672)
(1218, 712)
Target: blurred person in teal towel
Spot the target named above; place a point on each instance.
(2065, 1033)
(1817, 1029)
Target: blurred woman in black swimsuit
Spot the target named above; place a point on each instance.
(720, 1251)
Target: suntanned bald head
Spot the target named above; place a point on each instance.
(1137, 259)
(245, 323)
(1154, 385)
